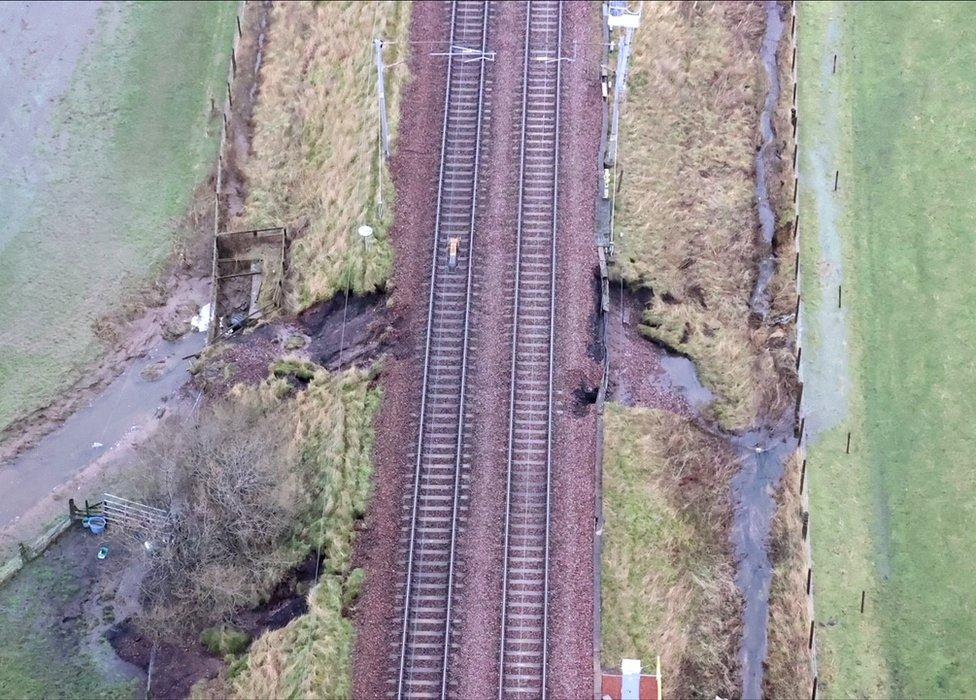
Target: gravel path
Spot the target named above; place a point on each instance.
(414, 167)
(574, 455)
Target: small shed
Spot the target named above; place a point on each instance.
(630, 683)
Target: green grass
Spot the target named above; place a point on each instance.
(40, 657)
(895, 517)
(667, 582)
(132, 139)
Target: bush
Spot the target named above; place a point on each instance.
(224, 639)
(230, 485)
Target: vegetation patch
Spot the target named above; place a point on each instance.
(668, 565)
(686, 222)
(894, 517)
(316, 165)
(224, 639)
(788, 660)
(298, 468)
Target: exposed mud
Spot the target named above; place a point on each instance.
(128, 407)
(346, 331)
(178, 663)
(642, 372)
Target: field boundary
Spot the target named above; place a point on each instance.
(225, 117)
(31, 551)
(800, 414)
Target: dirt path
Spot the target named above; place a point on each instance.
(127, 409)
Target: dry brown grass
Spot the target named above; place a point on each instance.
(686, 217)
(668, 565)
(314, 165)
(788, 661)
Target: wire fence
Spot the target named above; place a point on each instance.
(800, 406)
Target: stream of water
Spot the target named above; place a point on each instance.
(764, 450)
(775, 24)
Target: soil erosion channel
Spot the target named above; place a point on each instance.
(765, 449)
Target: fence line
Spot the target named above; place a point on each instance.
(225, 114)
(800, 414)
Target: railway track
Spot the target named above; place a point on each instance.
(435, 510)
(525, 588)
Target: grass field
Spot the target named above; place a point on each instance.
(44, 650)
(895, 517)
(315, 165)
(129, 143)
(668, 573)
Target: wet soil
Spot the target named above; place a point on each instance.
(764, 450)
(178, 663)
(759, 303)
(124, 412)
(642, 372)
(68, 599)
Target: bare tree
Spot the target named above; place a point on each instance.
(230, 485)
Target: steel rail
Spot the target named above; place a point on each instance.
(516, 324)
(426, 381)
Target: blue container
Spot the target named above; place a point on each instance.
(96, 524)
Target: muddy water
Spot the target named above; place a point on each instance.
(775, 24)
(129, 402)
(681, 377)
(763, 451)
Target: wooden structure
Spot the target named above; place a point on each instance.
(248, 277)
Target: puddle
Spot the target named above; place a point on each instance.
(681, 377)
(123, 408)
(775, 24)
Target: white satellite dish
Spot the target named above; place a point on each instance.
(365, 231)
